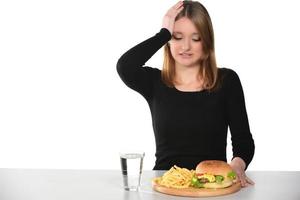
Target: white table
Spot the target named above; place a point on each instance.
(55, 184)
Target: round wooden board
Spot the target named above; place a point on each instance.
(196, 192)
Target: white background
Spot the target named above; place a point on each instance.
(63, 105)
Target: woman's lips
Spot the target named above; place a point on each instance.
(186, 55)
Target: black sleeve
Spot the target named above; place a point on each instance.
(241, 137)
(130, 64)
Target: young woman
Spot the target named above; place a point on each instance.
(192, 101)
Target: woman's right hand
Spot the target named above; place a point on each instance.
(169, 18)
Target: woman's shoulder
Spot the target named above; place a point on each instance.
(226, 71)
(228, 77)
(227, 74)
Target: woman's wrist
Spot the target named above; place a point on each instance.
(238, 161)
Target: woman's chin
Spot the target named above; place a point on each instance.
(187, 63)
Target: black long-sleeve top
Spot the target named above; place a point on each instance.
(188, 126)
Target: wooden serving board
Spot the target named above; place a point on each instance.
(195, 192)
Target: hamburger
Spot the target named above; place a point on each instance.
(213, 174)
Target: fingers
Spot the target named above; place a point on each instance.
(180, 9)
(178, 4)
(239, 167)
(249, 181)
(170, 16)
(245, 181)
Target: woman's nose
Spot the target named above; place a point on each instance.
(185, 45)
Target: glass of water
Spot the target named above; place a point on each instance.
(132, 166)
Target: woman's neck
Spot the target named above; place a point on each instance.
(187, 75)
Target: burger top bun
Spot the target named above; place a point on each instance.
(214, 167)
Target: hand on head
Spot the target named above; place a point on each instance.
(169, 17)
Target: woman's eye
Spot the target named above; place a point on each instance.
(176, 38)
(197, 39)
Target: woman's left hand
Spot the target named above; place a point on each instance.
(238, 165)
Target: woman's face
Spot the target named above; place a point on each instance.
(186, 44)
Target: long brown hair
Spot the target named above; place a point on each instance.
(198, 14)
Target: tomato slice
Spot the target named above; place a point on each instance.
(199, 174)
